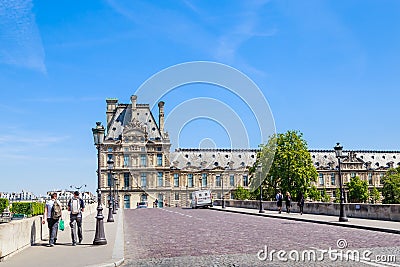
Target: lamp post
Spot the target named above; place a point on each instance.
(259, 171)
(222, 188)
(117, 198)
(114, 195)
(338, 150)
(110, 164)
(99, 237)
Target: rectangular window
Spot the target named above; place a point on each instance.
(143, 160)
(321, 179)
(127, 202)
(109, 177)
(109, 156)
(110, 149)
(370, 178)
(176, 179)
(190, 179)
(232, 180)
(217, 180)
(160, 179)
(126, 160)
(126, 179)
(159, 148)
(245, 180)
(333, 180)
(159, 159)
(380, 178)
(204, 180)
(176, 196)
(143, 179)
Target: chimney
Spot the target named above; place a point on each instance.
(161, 116)
(133, 100)
(111, 108)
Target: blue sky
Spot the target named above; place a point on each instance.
(330, 69)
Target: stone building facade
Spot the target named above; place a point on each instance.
(145, 169)
(370, 166)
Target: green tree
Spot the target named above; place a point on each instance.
(314, 193)
(375, 195)
(242, 193)
(337, 194)
(3, 204)
(358, 190)
(324, 196)
(391, 186)
(292, 168)
(264, 159)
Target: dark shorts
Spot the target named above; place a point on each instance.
(279, 203)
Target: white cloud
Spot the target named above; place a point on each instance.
(20, 41)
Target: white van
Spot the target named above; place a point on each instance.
(201, 198)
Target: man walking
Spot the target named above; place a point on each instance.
(52, 212)
(76, 206)
(279, 198)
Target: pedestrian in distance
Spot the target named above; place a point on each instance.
(156, 203)
(76, 206)
(279, 199)
(300, 203)
(288, 202)
(52, 213)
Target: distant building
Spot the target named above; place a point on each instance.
(18, 196)
(145, 169)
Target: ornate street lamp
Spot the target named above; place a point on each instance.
(259, 171)
(114, 195)
(99, 237)
(338, 150)
(117, 198)
(222, 189)
(110, 164)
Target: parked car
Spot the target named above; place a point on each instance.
(201, 198)
(141, 205)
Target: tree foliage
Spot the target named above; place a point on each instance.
(391, 186)
(375, 195)
(291, 168)
(3, 204)
(324, 196)
(242, 193)
(337, 195)
(314, 193)
(358, 190)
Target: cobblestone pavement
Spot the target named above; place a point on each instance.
(202, 237)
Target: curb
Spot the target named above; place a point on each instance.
(370, 228)
(119, 245)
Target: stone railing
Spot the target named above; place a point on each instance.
(388, 212)
(20, 234)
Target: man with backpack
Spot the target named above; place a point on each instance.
(52, 212)
(76, 206)
(279, 198)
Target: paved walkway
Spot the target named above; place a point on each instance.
(373, 225)
(86, 254)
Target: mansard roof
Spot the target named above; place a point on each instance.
(140, 119)
(370, 159)
(213, 159)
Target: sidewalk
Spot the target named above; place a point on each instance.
(63, 254)
(373, 225)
